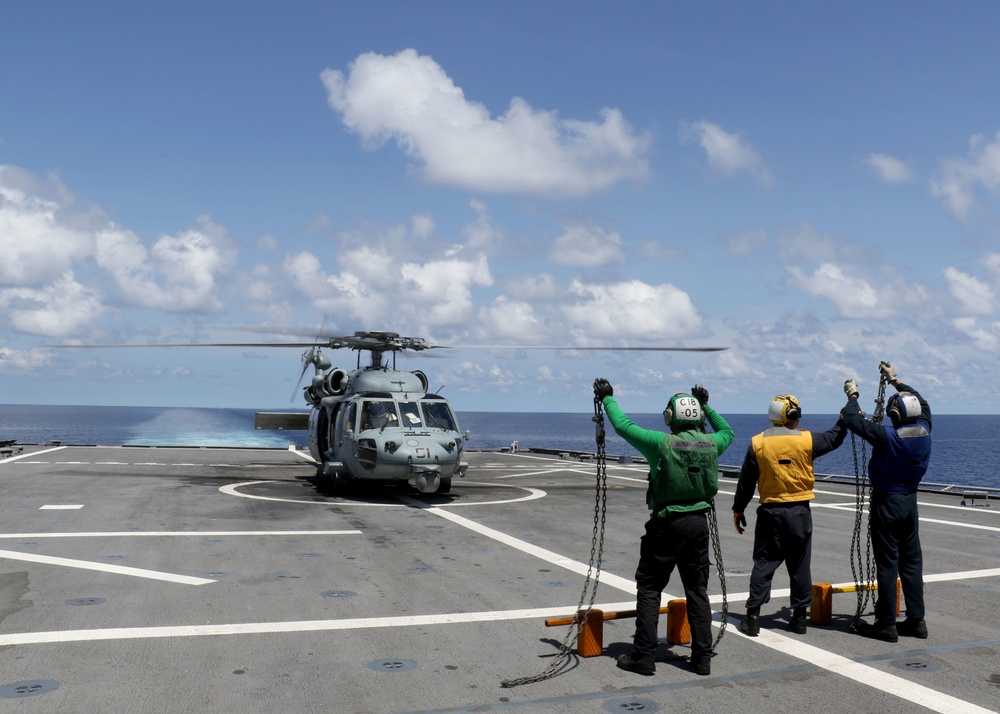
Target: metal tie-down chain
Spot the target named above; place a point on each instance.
(713, 525)
(567, 648)
(863, 569)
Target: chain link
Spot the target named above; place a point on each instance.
(713, 525)
(566, 654)
(863, 569)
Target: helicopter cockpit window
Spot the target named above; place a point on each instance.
(379, 414)
(350, 416)
(437, 414)
(411, 415)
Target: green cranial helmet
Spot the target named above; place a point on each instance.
(683, 410)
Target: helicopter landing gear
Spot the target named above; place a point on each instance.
(445, 486)
(329, 483)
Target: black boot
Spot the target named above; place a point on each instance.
(912, 627)
(878, 631)
(798, 621)
(639, 666)
(702, 666)
(751, 623)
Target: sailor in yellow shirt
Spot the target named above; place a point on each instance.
(779, 464)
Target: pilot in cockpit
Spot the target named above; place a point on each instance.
(438, 416)
(376, 415)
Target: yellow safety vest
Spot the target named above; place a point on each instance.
(784, 458)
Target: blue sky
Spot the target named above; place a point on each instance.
(815, 187)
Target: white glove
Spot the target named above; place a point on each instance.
(887, 371)
(851, 388)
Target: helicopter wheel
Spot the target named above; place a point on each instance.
(445, 486)
(327, 483)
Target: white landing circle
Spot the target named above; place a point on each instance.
(532, 495)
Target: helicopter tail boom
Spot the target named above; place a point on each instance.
(281, 421)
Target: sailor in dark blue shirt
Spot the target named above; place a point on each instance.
(900, 455)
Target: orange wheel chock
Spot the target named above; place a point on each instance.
(678, 629)
(821, 608)
(591, 640)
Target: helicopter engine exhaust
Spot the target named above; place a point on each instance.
(335, 382)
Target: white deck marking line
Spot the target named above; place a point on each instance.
(966, 575)
(864, 674)
(523, 546)
(533, 494)
(957, 524)
(162, 534)
(257, 628)
(925, 504)
(837, 664)
(32, 454)
(853, 507)
(345, 624)
(66, 507)
(935, 578)
(546, 472)
(577, 469)
(104, 568)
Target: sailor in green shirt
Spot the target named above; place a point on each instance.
(683, 480)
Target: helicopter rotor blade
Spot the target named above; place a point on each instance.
(307, 359)
(193, 344)
(587, 348)
(582, 348)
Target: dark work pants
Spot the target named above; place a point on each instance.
(677, 540)
(783, 534)
(896, 545)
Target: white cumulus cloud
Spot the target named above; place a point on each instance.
(38, 239)
(373, 286)
(439, 292)
(728, 154)
(408, 98)
(959, 178)
(510, 319)
(986, 340)
(178, 274)
(23, 360)
(583, 246)
(889, 168)
(61, 308)
(975, 296)
(853, 296)
(631, 309)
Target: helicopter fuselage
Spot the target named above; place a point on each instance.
(380, 424)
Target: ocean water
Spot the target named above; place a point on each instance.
(966, 448)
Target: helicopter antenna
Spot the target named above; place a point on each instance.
(439, 389)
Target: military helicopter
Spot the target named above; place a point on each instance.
(374, 422)
(377, 423)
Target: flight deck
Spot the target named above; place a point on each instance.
(208, 579)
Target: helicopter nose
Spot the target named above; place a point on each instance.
(420, 454)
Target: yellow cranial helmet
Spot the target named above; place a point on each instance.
(783, 410)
